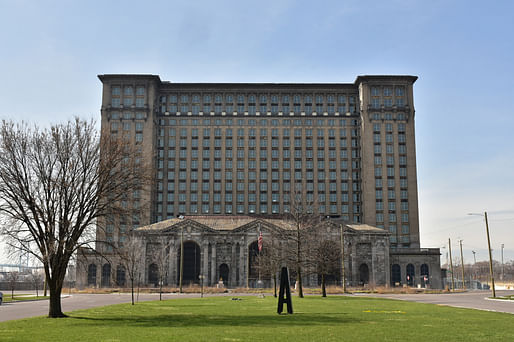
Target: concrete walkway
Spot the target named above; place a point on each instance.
(471, 300)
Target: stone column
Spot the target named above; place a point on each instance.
(172, 265)
(388, 268)
(242, 265)
(205, 267)
(373, 263)
(355, 267)
(232, 266)
(213, 265)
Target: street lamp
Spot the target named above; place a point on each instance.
(201, 276)
(489, 247)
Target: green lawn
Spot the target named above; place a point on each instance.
(21, 297)
(253, 319)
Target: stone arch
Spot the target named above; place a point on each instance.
(363, 274)
(224, 273)
(106, 275)
(153, 274)
(120, 275)
(91, 275)
(396, 274)
(192, 263)
(410, 274)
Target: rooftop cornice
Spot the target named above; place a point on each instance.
(386, 78)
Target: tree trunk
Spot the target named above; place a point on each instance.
(160, 290)
(275, 285)
(12, 293)
(323, 289)
(132, 286)
(299, 275)
(55, 310)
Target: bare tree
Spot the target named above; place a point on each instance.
(36, 280)
(132, 257)
(326, 257)
(303, 215)
(161, 253)
(55, 183)
(12, 279)
(269, 260)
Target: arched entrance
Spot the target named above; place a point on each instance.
(120, 275)
(153, 275)
(191, 263)
(410, 274)
(253, 256)
(425, 275)
(224, 274)
(363, 274)
(106, 275)
(396, 275)
(91, 275)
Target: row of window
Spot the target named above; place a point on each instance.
(263, 187)
(127, 90)
(390, 182)
(404, 205)
(260, 99)
(252, 197)
(252, 208)
(251, 132)
(387, 102)
(250, 165)
(252, 109)
(387, 91)
(389, 116)
(392, 218)
(128, 102)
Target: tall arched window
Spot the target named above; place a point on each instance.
(106, 275)
(425, 275)
(120, 275)
(91, 275)
(410, 274)
(396, 275)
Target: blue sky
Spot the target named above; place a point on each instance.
(462, 51)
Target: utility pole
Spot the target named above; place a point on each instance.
(462, 265)
(451, 263)
(343, 276)
(502, 263)
(474, 263)
(490, 254)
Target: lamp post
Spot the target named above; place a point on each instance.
(490, 253)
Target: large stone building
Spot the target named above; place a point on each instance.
(241, 150)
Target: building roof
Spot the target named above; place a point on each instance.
(232, 222)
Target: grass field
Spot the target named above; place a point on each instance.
(254, 319)
(21, 297)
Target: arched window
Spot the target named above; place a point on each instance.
(120, 275)
(363, 274)
(396, 275)
(91, 275)
(106, 275)
(410, 274)
(153, 275)
(191, 263)
(425, 275)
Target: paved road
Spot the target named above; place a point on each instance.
(473, 300)
(18, 310)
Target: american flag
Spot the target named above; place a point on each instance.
(260, 241)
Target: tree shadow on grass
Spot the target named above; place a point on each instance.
(206, 320)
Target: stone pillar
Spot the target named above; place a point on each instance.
(373, 264)
(355, 266)
(213, 265)
(387, 264)
(232, 266)
(172, 265)
(242, 265)
(205, 266)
